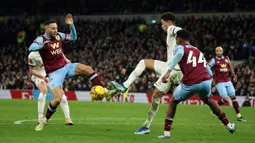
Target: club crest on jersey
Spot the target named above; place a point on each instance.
(57, 37)
(226, 60)
(54, 45)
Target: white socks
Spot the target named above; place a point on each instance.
(135, 73)
(41, 103)
(65, 107)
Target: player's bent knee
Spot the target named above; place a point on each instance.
(84, 69)
(233, 98)
(175, 101)
(158, 93)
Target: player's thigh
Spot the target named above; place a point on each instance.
(163, 87)
(157, 93)
(57, 94)
(204, 90)
(149, 64)
(230, 89)
(42, 86)
(183, 92)
(72, 69)
(56, 78)
(159, 67)
(222, 89)
(39, 83)
(82, 69)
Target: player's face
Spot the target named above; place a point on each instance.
(52, 29)
(164, 25)
(219, 52)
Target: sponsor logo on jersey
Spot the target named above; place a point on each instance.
(54, 45)
(56, 52)
(223, 65)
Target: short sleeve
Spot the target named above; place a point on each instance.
(212, 62)
(31, 60)
(172, 30)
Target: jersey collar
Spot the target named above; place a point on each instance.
(219, 57)
(46, 36)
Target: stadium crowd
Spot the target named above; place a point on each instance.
(34, 7)
(113, 48)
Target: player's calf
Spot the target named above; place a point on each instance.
(221, 115)
(237, 109)
(222, 101)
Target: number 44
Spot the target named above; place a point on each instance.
(192, 59)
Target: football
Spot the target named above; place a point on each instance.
(97, 92)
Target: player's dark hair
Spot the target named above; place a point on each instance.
(184, 34)
(49, 21)
(168, 16)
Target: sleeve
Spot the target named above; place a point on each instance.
(172, 30)
(208, 69)
(228, 60)
(212, 62)
(178, 54)
(31, 61)
(71, 36)
(37, 44)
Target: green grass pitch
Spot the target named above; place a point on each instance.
(96, 122)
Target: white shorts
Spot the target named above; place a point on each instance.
(37, 80)
(176, 76)
(159, 67)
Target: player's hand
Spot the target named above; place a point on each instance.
(45, 79)
(68, 61)
(166, 77)
(69, 19)
(235, 78)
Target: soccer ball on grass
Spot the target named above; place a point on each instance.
(97, 92)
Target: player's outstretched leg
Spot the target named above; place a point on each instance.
(82, 70)
(57, 97)
(221, 115)
(141, 66)
(41, 100)
(169, 118)
(235, 106)
(145, 129)
(237, 109)
(65, 107)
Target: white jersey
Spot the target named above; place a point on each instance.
(35, 60)
(171, 42)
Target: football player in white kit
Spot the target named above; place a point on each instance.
(167, 21)
(39, 78)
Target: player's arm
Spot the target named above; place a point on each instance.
(32, 70)
(232, 70)
(66, 59)
(212, 63)
(209, 71)
(37, 44)
(73, 34)
(172, 30)
(178, 54)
